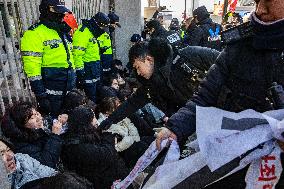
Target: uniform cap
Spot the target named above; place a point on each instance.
(53, 6)
(114, 19)
(102, 19)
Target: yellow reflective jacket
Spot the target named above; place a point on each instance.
(42, 47)
(105, 43)
(85, 47)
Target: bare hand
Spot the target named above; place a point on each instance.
(63, 118)
(162, 135)
(57, 127)
(166, 119)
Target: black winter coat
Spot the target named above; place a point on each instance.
(193, 36)
(205, 26)
(46, 149)
(172, 37)
(239, 80)
(97, 161)
(170, 86)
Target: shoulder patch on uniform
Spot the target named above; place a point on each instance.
(237, 33)
(34, 26)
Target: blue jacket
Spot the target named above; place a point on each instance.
(28, 169)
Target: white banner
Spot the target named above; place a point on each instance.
(223, 137)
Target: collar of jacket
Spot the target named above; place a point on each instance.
(93, 27)
(61, 28)
(267, 36)
(205, 21)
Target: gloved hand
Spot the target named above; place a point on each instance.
(44, 106)
(105, 124)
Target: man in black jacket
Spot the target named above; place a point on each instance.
(210, 31)
(166, 83)
(193, 33)
(241, 76)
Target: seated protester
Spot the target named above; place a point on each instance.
(72, 100)
(117, 67)
(22, 168)
(66, 180)
(85, 153)
(145, 128)
(23, 124)
(126, 131)
(136, 38)
(111, 89)
(131, 136)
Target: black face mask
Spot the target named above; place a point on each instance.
(51, 17)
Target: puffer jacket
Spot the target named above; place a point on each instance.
(95, 160)
(193, 36)
(124, 129)
(239, 80)
(45, 148)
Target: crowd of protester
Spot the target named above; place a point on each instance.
(91, 135)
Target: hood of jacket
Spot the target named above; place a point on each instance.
(201, 13)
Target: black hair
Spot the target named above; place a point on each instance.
(116, 62)
(79, 124)
(108, 104)
(158, 48)
(124, 94)
(138, 51)
(13, 123)
(72, 100)
(110, 79)
(153, 24)
(64, 180)
(7, 143)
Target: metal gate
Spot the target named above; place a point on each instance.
(15, 17)
(84, 9)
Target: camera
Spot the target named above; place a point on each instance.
(276, 94)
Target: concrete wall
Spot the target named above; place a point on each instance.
(129, 12)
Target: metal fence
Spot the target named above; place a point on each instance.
(16, 16)
(84, 9)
